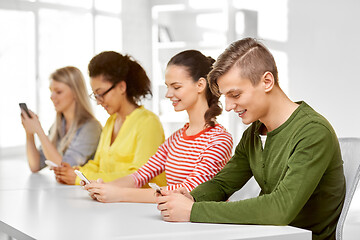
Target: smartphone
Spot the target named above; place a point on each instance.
(51, 163)
(24, 107)
(155, 187)
(82, 176)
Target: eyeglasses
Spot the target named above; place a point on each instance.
(100, 97)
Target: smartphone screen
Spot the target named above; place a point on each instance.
(24, 107)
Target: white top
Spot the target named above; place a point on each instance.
(263, 140)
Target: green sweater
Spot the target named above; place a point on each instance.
(300, 172)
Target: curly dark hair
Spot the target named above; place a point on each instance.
(115, 67)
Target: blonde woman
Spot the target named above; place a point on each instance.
(74, 136)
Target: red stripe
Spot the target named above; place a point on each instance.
(189, 162)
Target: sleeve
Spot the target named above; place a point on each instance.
(42, 158)
(153, 167)
(90, 169)
(149, 138)
(41, 152)
(212, 160)
(84, 144)
(92, 166)
(306, 166)
(150, 135)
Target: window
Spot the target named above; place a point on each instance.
(17, 71)
(39, 36)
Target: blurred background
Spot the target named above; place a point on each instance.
(315, 44)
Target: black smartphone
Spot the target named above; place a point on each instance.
(24, 107)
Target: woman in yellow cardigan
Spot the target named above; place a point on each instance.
(132, 133)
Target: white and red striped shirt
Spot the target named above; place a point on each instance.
(188, 160)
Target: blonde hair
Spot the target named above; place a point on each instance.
(72, 77)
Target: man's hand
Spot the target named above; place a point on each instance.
(175, 206)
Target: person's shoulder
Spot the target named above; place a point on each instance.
(178, 133)
(93, 123)
(90, 127)
(144, 120)
(145, 114)
(311, 117)
(219, 132)
(218, 129)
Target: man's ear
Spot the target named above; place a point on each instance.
(201, 84)
(268, 81)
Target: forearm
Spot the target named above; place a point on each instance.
(105, 192)
(230, 179)
(125, 182)
(105, 176)
(265, 209)
(239, 212)
(32, 153)
(49, 149)
(209, 191)
(138, 195)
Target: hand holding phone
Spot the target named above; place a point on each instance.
(25, 109)
(51, 163)
(155, 187)
(82, 176)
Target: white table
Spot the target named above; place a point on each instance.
(34, 206)
(16, 174)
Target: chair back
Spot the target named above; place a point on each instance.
(350, 151)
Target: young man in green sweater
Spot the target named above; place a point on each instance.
(290, 149)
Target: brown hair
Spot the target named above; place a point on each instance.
(249, 55)
(115, 68)
(198, 66)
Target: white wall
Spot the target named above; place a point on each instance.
(324, 58)
(136, 32)
(322, 47)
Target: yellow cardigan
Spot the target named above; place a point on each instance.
(138, 139)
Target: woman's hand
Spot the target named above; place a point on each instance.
(31, 125)
(83, 184)
(104, 192)
(65, 174)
